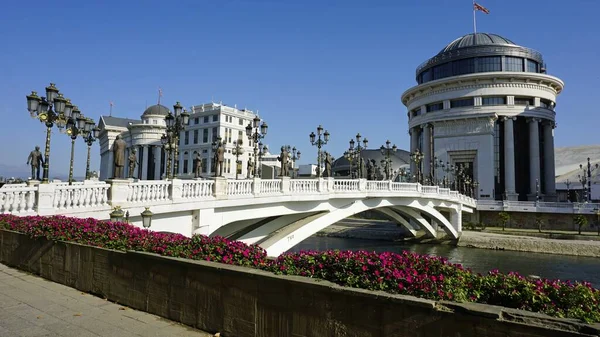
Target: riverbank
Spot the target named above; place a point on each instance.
(388, 231)
(529, 244)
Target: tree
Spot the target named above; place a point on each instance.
(539, 222)
(581, 221)
(504, 219)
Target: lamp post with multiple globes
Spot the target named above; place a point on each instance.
(387, 152)
(318, 141)
(176, 122)
(256, 131)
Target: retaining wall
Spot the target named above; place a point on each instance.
(242, 302)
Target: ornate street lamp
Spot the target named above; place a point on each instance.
(350, 155)
(75, 127)
(216, 144)
(147, 217)
(448, 169)
(256, 131)
(117, 214)
(90, 134)
(417, 157)
(317, 141)
(586, 179)
(357, 152)
(50, 110)
(294, 155)
(387, 151)
(176, 122)
(262, 152)
(403, 173)
(568, 183)
(237, 151)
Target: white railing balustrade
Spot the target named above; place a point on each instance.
(270, 186)
(149, 191)
(239, 187)
(18, 200)
(405, 187)
(298, 186)
(378, 185)
(430, 189)
(197, 189)
(12, 186)
(346, 185)
(68, 197)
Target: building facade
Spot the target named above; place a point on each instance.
(488, 105)
(206, 123)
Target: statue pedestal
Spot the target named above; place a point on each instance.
(220, 187)
(285, 185)
(118, 192)
(33, 182)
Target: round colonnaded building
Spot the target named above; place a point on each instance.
(487, 104)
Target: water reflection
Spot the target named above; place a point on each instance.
(479, 260)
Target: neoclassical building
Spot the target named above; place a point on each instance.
(487, 104)
(206, 122)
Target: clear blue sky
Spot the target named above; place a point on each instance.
(340, 63)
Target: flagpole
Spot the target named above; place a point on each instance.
(474, 19)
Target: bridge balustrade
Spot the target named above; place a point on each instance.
(81, 199)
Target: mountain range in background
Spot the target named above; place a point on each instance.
(13, 171)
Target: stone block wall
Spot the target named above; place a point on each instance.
(241, 302)
(550, 221)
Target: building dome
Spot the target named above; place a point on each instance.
(400, 159)
(477, 39)
(157, 109)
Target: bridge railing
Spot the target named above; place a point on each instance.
(540, 206)
(61, 198)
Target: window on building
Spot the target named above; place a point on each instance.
(215, 118)
(435, 107)
(513, 63)
(185, 166)
(240, 121)
(493, 100)
(241, 136)
(461, 67)
(416, 112)
(523, 100)
(215, 133)
(532, 66)
(427, 75)
(457, 103)
(196, 136)
(489, 63)
(228, 165)
(205, 119)
(205, 151)
(154, 121)
(229, 133)
(442, 71)
(196, 120)
(204, 163)
(187, 138)
(205, 136)
(544, 103)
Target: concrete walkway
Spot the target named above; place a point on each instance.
(33, 306)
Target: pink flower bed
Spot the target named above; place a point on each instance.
(406, 273)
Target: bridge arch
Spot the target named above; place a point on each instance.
(291, 234)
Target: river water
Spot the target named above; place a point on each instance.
(549, 266)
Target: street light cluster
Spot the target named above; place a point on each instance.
(585, 178)
(56, 110)
(462, 182)
(353, 154)
(316, 140)
(255, 131)
(176, 122)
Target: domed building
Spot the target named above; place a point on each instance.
(399, 168)
(487, 104)
(143, 136)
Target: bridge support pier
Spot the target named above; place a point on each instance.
(456, 218)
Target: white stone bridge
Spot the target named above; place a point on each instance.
(276, 214)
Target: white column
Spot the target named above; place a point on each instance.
(426, 151)
(144, 164)
(190, 162)
(126, 167)
(549, 169)
(509, 159)
(157, 158)
(534, 155)
(414, 143)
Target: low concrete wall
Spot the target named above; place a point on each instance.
(242, 302)
(550, 221)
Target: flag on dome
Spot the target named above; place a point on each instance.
(479, 7)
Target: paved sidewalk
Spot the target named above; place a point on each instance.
(33, 306)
